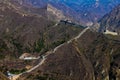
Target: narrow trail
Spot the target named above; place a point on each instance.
(15, 77)
(55, 25)
(36, 66)
(80, 34)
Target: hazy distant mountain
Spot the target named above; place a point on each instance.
(111, 21)
(61, 12)
(85, 11)
(36, 3)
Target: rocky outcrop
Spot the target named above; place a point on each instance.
(54, 13)
(111, 21)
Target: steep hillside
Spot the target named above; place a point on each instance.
(67, 51)
(54, 13)
(3, 77)
(22, 31)
(92, 57)
(19, 27)
(65, 12)
(111, 21)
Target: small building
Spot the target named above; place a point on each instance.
(110, 32)
(28, 56)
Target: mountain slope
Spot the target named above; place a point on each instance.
(92, 56)
(22, 31)
(55, 14)
(89, 56)
(85, 12)
(35, 3)
(3, 77)
(111, 21)
(62, 12)
(19, 28)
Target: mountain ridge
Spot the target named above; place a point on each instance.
(85, 12)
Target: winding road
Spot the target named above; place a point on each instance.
(44, 57)
(36, 66)
(80, 34)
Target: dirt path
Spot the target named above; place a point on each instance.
(44, 57)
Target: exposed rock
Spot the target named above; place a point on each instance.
(111, 21)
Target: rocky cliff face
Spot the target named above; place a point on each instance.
(111, 21)
(62, 12)
(55, 14)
